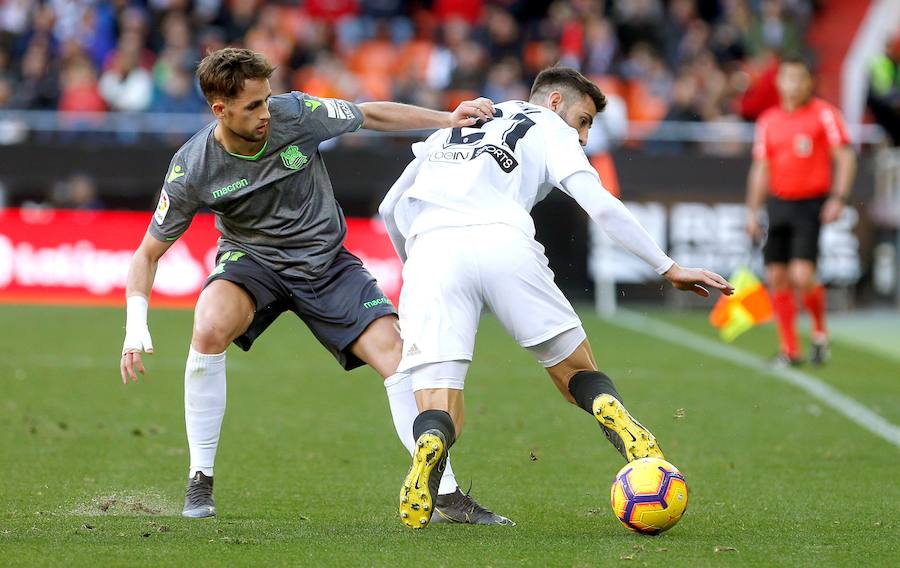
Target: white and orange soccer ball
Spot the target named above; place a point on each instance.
(649, 495)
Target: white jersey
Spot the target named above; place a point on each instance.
(492, 173)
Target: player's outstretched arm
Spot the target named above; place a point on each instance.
(618, 222)
(391, 117)
(141, 273)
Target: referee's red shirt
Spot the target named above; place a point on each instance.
(798, 147)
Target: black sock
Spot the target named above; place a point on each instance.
(435, 420)
(585, 386)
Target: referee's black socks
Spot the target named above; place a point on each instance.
(435, 420)
(585, 386)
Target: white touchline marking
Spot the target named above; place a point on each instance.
(813, 386)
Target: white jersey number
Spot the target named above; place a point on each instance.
(503, 155)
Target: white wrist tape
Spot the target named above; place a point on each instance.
(136, 313)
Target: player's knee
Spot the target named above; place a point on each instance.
(803, 278)
(778, 280)
(208, 337)
(391, 346)
(380, 346)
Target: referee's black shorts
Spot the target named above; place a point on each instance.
(794, 226)
(337, 306)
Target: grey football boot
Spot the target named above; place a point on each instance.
(459, 507)
(198, 500)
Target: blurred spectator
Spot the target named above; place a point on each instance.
(772, 30)
(126, 86)
(239, 19)
(681, 14)
(12, 130)
(177, 49)
(608, 132)
(601, 47)
(884, 90)
(267, 36)
(38, 86)
(469, 68)
(80, 92)
(77, 192)
(502, 35)
(639, 21)
(760, 92)
(504, 82)
(683, 107)
(684, 60)
(5, 93)
(14, 19)
(178, 93)
(468, 10)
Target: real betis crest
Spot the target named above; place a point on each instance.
(293, 158)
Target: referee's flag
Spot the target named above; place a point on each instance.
(748, 306)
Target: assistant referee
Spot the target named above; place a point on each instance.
(796, 143)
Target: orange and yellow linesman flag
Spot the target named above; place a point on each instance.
(748, 306)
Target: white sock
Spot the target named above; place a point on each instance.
(404, 412)
(204, 407)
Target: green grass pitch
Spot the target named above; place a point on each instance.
(309, 468)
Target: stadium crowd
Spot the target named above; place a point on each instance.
(694, 60)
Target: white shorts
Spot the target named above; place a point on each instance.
(453, 273)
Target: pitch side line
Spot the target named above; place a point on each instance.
(825, 393)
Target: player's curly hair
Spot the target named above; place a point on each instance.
(559, 77)
(222, 73)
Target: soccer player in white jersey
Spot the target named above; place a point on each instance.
(459, 217)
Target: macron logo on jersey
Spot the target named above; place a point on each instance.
(177, 172)
(239, 184)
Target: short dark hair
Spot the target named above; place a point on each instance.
(222, 73)
(559, 77)
(797, 59)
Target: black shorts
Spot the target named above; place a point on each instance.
(337, 306)
(794, 226)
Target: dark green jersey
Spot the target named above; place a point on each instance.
(277, 206)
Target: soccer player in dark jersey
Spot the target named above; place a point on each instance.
(258, 169)
(796, 144)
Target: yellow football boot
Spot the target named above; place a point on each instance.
(420, 488)
(624, 432)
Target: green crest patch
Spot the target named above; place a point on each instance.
(293, 158)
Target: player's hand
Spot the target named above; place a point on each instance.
(694, 280)
(832, 210)
(470, 112)
(136, 342)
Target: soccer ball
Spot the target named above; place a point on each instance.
(649, 495)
